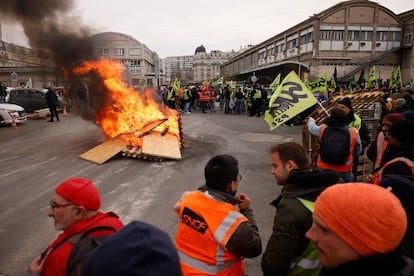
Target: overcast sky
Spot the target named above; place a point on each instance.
(173, 28)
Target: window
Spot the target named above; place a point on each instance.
(325, 35)
(353, 35)
(408, 39)
(119, 51)
(382, 36)
(366, 35)
(310, 37)
(103, 51)
(303, 39)
(134, 63)
(338, 35)
(134, 51)
(395, 36)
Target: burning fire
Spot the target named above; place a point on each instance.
(128, 112)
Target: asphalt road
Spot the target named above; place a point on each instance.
(38, 155)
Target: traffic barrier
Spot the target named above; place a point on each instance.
(13, 124)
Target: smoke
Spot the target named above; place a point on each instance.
(50, 26)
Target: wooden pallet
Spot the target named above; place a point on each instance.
(104, 151)
(360, 102)
(154, 145)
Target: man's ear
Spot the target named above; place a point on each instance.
(231, 186)
(80, 212)
(290, 165)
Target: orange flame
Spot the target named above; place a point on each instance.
(129, 112)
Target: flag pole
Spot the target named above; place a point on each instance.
(323, 108)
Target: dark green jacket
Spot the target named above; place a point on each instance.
(293, 219)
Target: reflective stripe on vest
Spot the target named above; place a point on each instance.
(308, 264)
(381, 145)
(348, 165)
(203, 267)
(408, 162)
(205, 251)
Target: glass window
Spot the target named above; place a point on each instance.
(103, 51)
(381, 36)
(135, 51)
(310, 37)
(397, 36)
(134, 63)
(303, 39)
(338, 35)
(119, 51)
(325, 35)
(353, 35)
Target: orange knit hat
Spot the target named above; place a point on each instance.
(367, 217)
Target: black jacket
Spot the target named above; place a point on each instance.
(51, 98)
(400, 168)
(379, 265)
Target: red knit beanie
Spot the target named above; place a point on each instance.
(393, 117)
(367, 217)
(80, 191)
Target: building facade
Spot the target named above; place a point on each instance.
(198, 67)
(348, 38)
(141, 64)
(180, 67)
(207, 65)
(21, 66)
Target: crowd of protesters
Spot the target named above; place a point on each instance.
(250, 100)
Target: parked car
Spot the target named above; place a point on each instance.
(30, 99)
(7, 111)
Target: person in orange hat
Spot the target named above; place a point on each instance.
(357, 230)
(75, 210)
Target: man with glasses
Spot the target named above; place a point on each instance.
(213, 235)
(75, 210)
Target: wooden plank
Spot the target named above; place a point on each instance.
(167, 146)
(103, 152)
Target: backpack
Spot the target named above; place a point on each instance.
(83, 244)
(335, 145)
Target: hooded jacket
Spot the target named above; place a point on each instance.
(293, 219)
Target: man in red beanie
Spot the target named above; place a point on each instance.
(75, 210)
(381, 152)
(356, 237)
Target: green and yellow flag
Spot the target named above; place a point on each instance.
(395, 78)
(371, 77)
(351, 84)
(176, 86)
(333, 84)
(275, 83)
(291, 98)
(219, 81)
(398, 76)
(320, 84)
